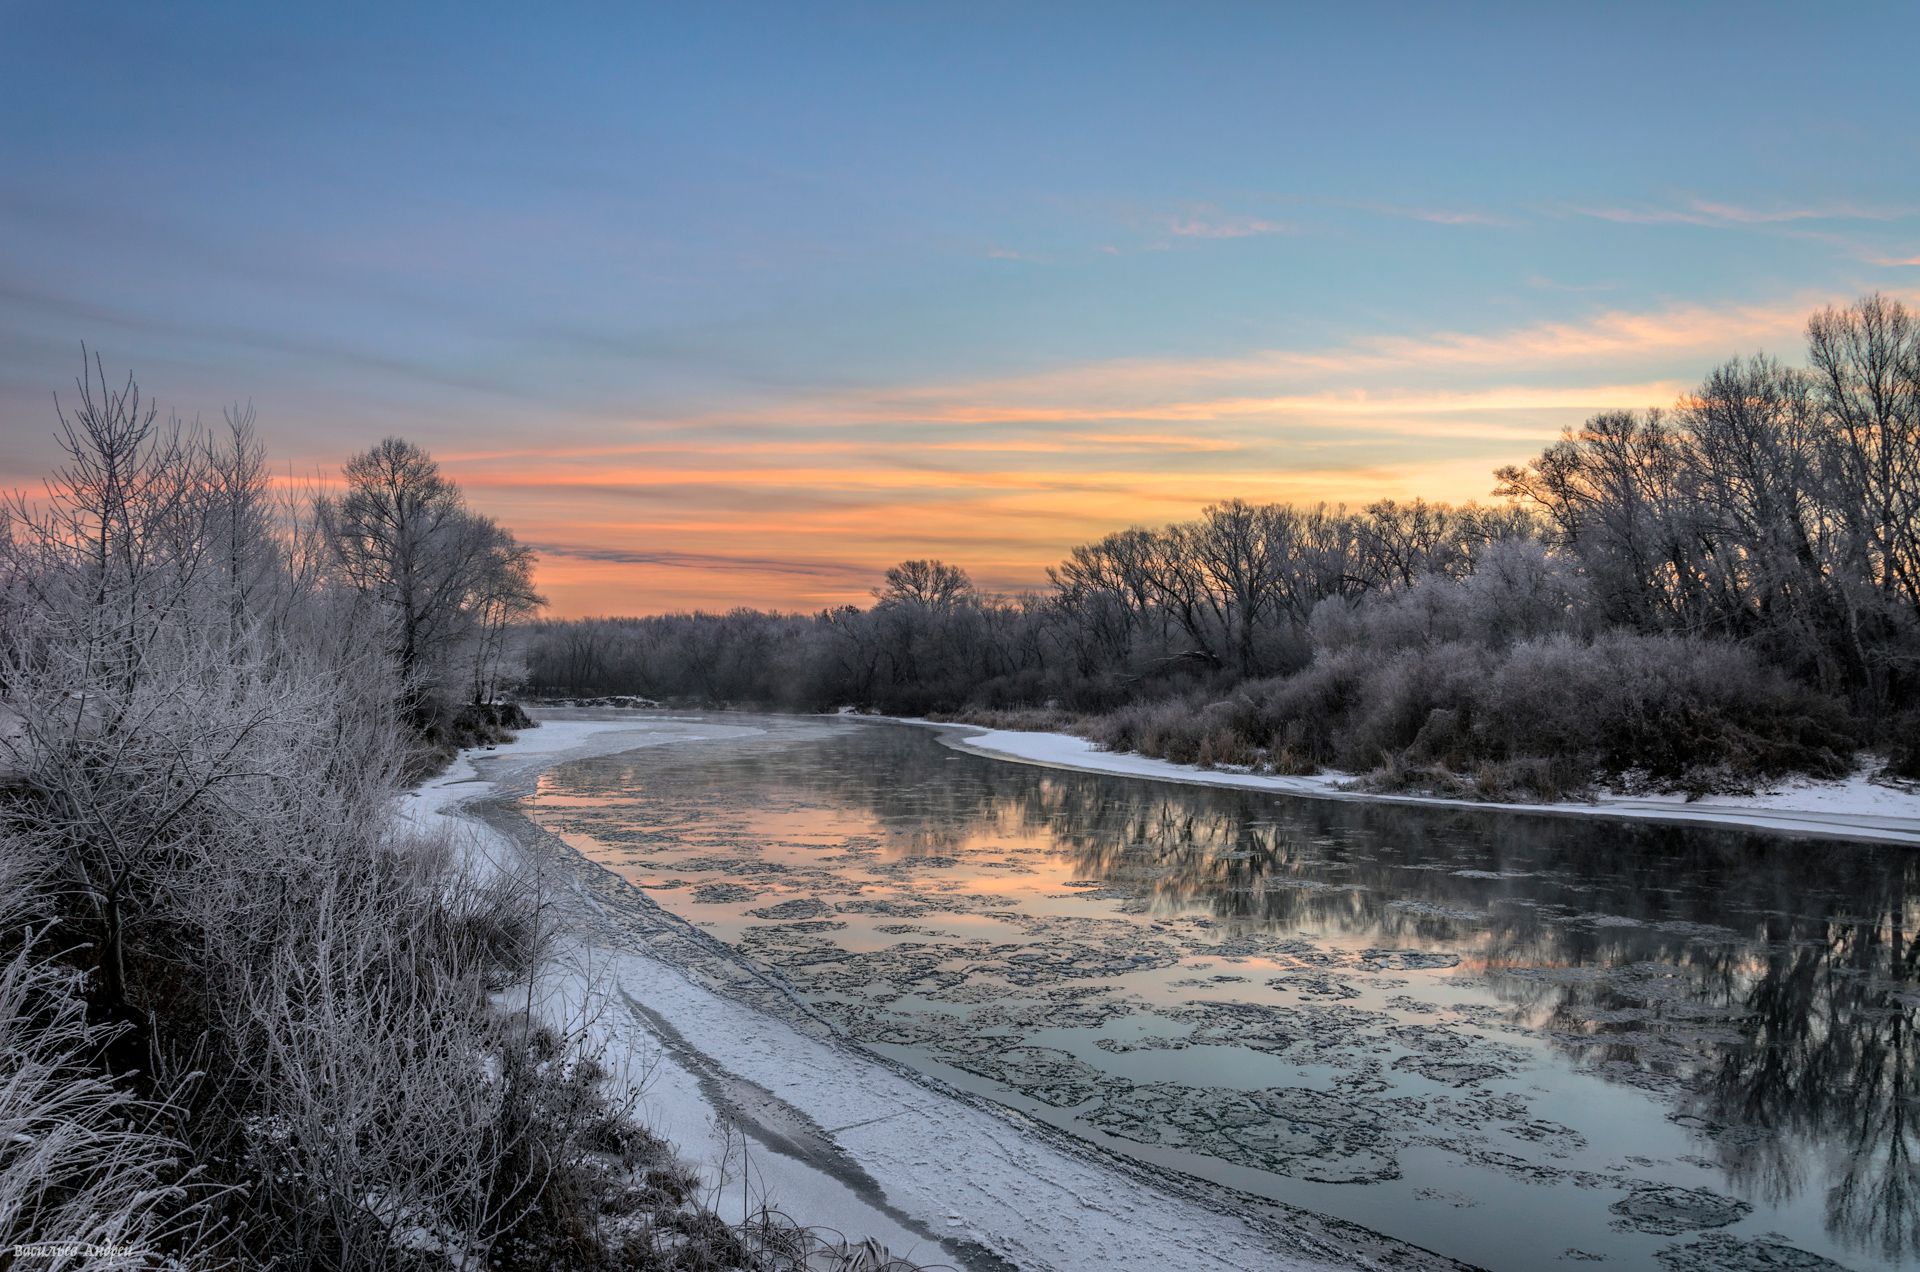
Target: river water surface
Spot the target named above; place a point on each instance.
(1523, 1042)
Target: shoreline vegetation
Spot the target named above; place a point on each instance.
(1858, 808)
(1698, 600)
(250, 1016)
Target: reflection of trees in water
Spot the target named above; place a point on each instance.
(1772, 980)
(1826, 1072)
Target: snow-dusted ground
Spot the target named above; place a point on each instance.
(1855, 808)
(827, 1133)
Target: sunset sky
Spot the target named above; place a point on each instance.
(726, 304)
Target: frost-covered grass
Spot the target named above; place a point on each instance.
(83, 1160)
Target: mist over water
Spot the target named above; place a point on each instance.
(1510, 1039)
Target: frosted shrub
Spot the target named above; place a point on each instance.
(1520, 591)
(1539, 719)
(1396, 700)
(1684, 712)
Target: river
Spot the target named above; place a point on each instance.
(1519, 1041)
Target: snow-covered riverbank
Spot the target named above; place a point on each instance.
(1855, 808)
(822, 1130)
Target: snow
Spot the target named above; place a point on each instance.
(1853, 808)
(843, 1141)
(552, 742)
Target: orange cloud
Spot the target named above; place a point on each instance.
(1358, 404)
(1004, 474)
(1686, 331)
(651, 539)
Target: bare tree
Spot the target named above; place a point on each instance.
(442, 576)
(932, 585)
(400, 536)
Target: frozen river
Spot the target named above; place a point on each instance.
(1513, 1040)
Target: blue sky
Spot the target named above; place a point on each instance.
(735, 304)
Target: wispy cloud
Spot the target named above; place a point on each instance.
(1543, 283)
(1860, 249)
(1613, 337)
(1225, 227)
(837, 570)
(1354, 405)
(1437, 216)
(1820, 212)
(1708, 212)
(1210, 221)
(1081, 442)
(115, 317)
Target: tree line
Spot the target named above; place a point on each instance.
(1754, 549)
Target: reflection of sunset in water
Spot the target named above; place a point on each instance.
(1428, 1021)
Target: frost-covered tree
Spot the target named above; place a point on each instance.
(443, 578)
(931, 585)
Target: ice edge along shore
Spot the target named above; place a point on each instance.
(1851, 808)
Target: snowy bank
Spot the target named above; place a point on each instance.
(828, 1133)
(1854, 808)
